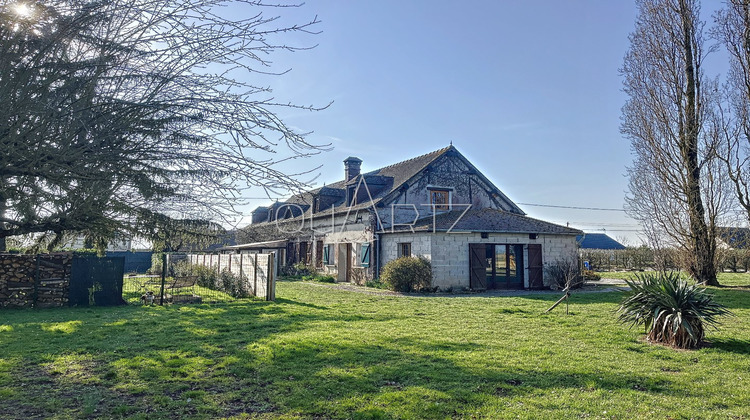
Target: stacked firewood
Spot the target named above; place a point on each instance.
(34, 280)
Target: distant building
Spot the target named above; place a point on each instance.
(734, 237)
(116, 244)
(598, 241)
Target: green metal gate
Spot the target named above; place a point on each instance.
(96, 281)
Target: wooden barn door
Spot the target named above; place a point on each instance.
(477, 267)
(536, 269)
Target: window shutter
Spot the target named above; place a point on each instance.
(365, 255)
(325, 255)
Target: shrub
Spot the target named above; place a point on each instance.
(589, 275)
(407, 274)
(233, 285)
(376, 284)
(672, 311)
(207, 276)
(182, 268)
(325, 279)
(564, 274)
(156, 263)
(319, 278)
(299, 270)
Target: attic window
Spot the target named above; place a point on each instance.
(440, 198)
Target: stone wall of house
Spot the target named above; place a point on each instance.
(449, 252)
(356, 229)
(466, 188)
(421, 245)
(35, 280)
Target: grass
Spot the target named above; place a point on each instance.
(725, 279)
(134, 287)
(324, 353)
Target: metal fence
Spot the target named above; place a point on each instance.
(96, 281)
(203, 279)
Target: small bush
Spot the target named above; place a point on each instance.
(589, 275)
(233, 285)
(564, 274)
(299, 270)
(325, 279)
(407, 274)
(207, 276)
(181, 268)
(156, 263)
(319, 278)
(376, 284)
(673, 311)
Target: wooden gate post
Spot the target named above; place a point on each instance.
(271, 283)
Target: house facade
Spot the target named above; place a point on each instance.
(437, 206)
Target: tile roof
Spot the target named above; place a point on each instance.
(381, 183)
(486, 220)
(390, 178)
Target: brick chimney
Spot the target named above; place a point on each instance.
(351, 167)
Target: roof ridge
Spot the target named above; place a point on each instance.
(439, 151)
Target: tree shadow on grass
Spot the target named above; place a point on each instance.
(731, 345)
(731, 297)
(580, 298)
(294, 302)
(143, 359)
(413, 380)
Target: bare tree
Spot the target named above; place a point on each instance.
(121, 116)
(732, 30)
(673, 190)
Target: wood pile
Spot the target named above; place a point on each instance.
(34, 280)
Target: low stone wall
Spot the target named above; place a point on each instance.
(35, 280)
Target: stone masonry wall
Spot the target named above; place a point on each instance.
(449, 252)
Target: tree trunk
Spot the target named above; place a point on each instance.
(702, 265)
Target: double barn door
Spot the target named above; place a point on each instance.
(501, 266)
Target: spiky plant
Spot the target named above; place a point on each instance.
(673, 311)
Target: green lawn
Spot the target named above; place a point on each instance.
(725, 279)
(134, 287)
(324, 353)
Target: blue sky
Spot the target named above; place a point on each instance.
(529, 91)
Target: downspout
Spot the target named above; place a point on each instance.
(376, 237)
(377, 256)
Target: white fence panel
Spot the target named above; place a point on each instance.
(258, 271)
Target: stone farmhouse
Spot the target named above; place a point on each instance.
(437, 206)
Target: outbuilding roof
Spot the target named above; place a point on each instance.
(598, 241)
(485, 220)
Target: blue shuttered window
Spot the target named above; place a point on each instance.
(364, 256)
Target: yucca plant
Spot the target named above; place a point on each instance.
(673, 311)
